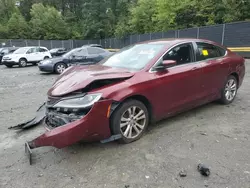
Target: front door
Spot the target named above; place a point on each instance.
(178, 87)
(79, 57)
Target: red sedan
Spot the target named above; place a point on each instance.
(141, 83)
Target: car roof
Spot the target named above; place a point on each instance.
(33, 47)
(92, 45)
(173, 41)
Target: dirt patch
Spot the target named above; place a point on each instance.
(215, 135)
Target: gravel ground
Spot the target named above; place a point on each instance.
(214, 134)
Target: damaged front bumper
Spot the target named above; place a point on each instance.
(65, 130)
(94, 126)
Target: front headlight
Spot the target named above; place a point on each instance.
(46, 62)
(80, 102)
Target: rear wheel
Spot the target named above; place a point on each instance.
(22, 62)
(229, 91)
(60, 67)
(130, 120)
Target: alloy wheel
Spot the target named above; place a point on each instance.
(23, 63)
(132, 122)
(60, 68)
(230, 89)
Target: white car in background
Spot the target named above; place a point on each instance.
(26, 55)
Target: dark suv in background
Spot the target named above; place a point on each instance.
(58, 51)
(82, 56)
(6, 50)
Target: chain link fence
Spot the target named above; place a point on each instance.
(230, 35)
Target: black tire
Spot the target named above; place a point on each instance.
(115, 120)
(46, 57)
(59, 67)
(22, 62)
(9, 66)
(225, 99)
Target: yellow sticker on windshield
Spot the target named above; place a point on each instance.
(205, 52)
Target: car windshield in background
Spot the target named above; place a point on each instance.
(54, 50)
(21, 51)
(4, 51)
(134, 57)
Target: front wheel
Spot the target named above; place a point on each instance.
(229, 91)
(60, 67)
(130, 120)
(22, 63)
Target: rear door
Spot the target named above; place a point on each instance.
(37, 55)
(42, 52)
(214, 67)
(31, 54)
(178, 87)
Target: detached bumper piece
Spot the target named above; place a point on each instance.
(28, 152)
(94, 126)
(40, 115)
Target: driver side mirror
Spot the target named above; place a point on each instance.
(165, 64)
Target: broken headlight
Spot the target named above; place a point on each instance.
(80, 102)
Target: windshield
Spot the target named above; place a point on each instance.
(70, 52)
(134, 57)
(21, 51)
(5, 51)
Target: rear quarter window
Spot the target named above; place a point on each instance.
(221, 51)
(208, 51)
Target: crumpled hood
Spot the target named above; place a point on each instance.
(78, 77)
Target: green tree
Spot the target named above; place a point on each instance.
(3, 32)
(55, 26)
(17, 27)
(47, 23)
(7, 7)
(141, 17)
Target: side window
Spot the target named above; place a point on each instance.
(31, 50)
(182, 54)
(93, 50)
(221, 50)
(82, 52)
(208, 51)
(42, 50)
